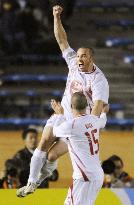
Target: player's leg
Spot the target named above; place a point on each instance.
(58, 149)
(92, 191)
(83, 192)
(40, 168)
(39, 158)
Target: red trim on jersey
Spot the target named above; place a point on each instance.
(71, 188)
(75, 153)
(81, 115)
(73, 124)
(89, 95)
(90, 108)
(83, 173)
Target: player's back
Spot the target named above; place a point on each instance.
(84, 146)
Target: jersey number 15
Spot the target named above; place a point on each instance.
(92, 140)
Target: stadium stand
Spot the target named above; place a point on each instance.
(107, 23)
(110, 42)
(30, 77)
(128, 59)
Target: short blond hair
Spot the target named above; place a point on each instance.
(78, 101)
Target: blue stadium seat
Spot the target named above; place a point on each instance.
(108, 23)
(130, 5)
(32, 77)
(128, 59)
(81, 4)
(111, 42)
(126, 23)
(116, 106)
(120, 122)
(30, 93)
(26, 122)
(35, 58)
(103, 5)
(22, 122)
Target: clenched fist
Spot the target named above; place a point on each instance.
(57, 10)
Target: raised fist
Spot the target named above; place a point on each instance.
(57, 10)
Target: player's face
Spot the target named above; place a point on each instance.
(31, 140)
(118, 168)
(84, 60)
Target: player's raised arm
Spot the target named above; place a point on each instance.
(59, 31)
(61, 127)
(97, 108)
(100, 94)
(103, 117)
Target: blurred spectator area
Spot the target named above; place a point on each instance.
(111, 142)
(32, 70)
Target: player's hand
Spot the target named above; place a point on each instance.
(57, 10)
(56, 106)
(105, 108)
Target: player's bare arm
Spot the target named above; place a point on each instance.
(105, 108)
(59, 31)
(97, 108)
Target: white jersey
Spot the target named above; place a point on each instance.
(82, 134)
(94, 84)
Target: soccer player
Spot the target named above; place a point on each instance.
(84, 76)
(82, 134)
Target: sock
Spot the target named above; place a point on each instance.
(37, 161)
(46, 170)
(50, 166)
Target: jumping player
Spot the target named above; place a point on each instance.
(82, 134)
(83, 76)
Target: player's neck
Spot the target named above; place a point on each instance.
(79, 113)
(90, 68)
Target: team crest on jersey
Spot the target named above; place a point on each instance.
(76, 86)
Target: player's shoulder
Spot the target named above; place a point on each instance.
(69, 123)
(98, 71)
(93, 119)
(69, 52)
(98, 74)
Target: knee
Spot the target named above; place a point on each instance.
(46, 140)
(52, 156)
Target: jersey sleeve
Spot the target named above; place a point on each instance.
(59, 120)
(70, 57)
(100, 89)
(63, 130)
(55, 120)
(102, 120)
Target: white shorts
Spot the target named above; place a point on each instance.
(83, 193)
(51, 122)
